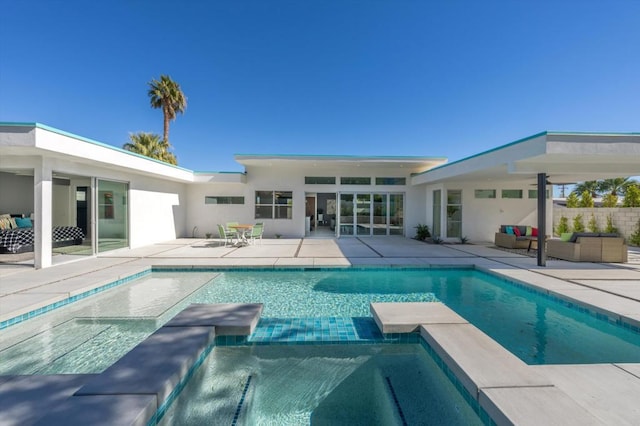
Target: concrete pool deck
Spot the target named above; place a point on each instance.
(608, 393)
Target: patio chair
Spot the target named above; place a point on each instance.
(229, 225)
(226, 235)
(256, 233)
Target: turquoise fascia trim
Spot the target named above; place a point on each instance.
(91, 141)
(343, 157)
(482, 153)
(545, 133)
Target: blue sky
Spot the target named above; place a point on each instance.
(427, 78)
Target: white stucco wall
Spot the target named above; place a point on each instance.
(206, 216)
(481, 217)
(16, 194)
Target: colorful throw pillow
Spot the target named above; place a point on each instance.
(529, 231)
(510, 230)
(4, 223)
(516, 231)
(24, 222)
(566, 236)
(534, 232)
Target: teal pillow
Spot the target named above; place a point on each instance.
(24, 222)
(510, 230)
(566, 236)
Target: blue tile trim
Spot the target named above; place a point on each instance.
(242, 398)
(396, 402)
(162, 410)
(316, 331)
(471, 400)
(48, 308)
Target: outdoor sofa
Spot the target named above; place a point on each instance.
(589, 247)
(511, 240)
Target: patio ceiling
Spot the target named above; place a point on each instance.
(565, 157)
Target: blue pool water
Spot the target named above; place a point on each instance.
(320, 385)
(535, 328)
(308, 306)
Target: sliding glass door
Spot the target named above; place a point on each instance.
(113, 215)
(367, 214)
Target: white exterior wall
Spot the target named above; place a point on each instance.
(16, 194)
(205, 217)
(482, 217)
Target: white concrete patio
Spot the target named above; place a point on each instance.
(612, 289)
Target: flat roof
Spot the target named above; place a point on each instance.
(566, 157)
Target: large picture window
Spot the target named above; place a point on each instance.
(274, 204)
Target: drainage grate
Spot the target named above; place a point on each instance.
(239, 407)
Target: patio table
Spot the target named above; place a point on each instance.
(241, 231)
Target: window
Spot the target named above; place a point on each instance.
(512, 193)
(454, 213)
(485, 193)
(391, 181)
(274, 204)
(533, 193)
(320, 180)
(355, 180)
(223, 199)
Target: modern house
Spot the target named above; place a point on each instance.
(121, 199)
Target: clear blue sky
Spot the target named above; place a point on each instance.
(429, 78)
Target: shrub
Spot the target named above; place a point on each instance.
(610, 200)
(593, 225)
(572, 201)
(586, 200)
(610, 228)
(578, 225)
(635, 237)
(563, 226)
(422, 232)
(632, 196)
(464, 240)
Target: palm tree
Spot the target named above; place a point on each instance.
(150, 145)
(166, 94)
(615, 186)
(591, 186)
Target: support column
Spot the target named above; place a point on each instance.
(542, 219)
(43, 188)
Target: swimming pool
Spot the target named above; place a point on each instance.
(320, 385)
(88, 336)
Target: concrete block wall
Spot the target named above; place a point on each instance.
(624, 218)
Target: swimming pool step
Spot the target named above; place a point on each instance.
(137, 387)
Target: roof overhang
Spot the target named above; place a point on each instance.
(34, 139)
(412, 164)
(564, 157)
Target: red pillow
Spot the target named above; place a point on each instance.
(534, 232)
(517, 231)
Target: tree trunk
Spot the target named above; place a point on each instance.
(166, 125)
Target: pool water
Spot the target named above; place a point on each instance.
(536, 329)
(90, 335)
(320, 385)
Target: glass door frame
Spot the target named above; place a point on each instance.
(96, 209)
(354, 209)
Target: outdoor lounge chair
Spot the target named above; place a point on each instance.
(225, 235)
(256, 233)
